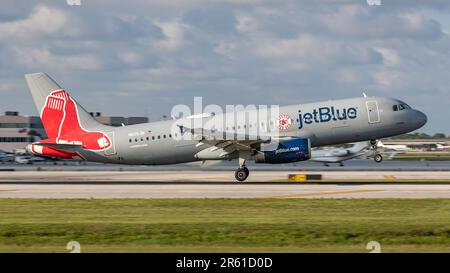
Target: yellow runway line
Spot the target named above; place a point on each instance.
(319, 194)
(6, 190)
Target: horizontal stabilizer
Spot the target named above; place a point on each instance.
(65, 147)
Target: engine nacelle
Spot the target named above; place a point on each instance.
(293, 150)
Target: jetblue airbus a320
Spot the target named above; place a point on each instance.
(284, 136)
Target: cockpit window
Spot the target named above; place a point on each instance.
(401, 106)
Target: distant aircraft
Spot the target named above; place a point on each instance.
(441, 147)
(6, 157)
(396, 147)
(339, 155)
(28, 159)
(281, 138)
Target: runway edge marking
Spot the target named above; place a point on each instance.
(318, 194)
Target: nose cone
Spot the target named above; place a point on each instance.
(420, 119)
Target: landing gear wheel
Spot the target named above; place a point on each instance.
(241, 174)
(378, 158)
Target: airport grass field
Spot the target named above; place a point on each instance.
(225, 225)
(423, 156)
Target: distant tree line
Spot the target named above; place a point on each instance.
(421, 136)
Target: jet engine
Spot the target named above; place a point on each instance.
(293, 150)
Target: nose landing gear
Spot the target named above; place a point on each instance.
(378, 158)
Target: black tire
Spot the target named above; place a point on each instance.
(378, 158)
(241, 174)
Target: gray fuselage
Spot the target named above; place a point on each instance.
(324, 123)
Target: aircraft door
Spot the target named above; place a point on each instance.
(373, 111)
(110, 150)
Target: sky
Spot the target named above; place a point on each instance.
(140, 58)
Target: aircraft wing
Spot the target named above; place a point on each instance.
(337, 159)
(330, 159)
(229, 142)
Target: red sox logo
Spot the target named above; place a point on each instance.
(61, 122)
(284, 122)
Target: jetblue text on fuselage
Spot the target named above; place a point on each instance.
(326, 114)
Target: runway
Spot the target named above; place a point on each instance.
(222, 191)
(216, 184)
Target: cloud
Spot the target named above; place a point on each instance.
(246, 23)
(390, 56)
(143, 57)
(129, 57)
(173, 35)
(363, 22)
(43, 21)
(36, 59)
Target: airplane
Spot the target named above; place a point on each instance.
(441, 147)
(6, 157)
(28, 159)
(396, 147)
(285, 136)
(339, 155)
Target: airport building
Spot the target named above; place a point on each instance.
(17, 131)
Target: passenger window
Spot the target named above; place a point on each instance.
(153, 137)
(164, 136)
(401, 107)
(170, 135)
(148, 138)
(159, 137)
(395, 107)
(131, 140)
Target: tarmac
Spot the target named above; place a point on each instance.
(221, 184)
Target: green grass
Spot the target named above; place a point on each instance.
(423, 156)
(230, 225)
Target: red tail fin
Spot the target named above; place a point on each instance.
(61, 121)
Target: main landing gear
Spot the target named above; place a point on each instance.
(242, 173)
(376, 156)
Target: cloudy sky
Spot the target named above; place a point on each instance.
(142, 57)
